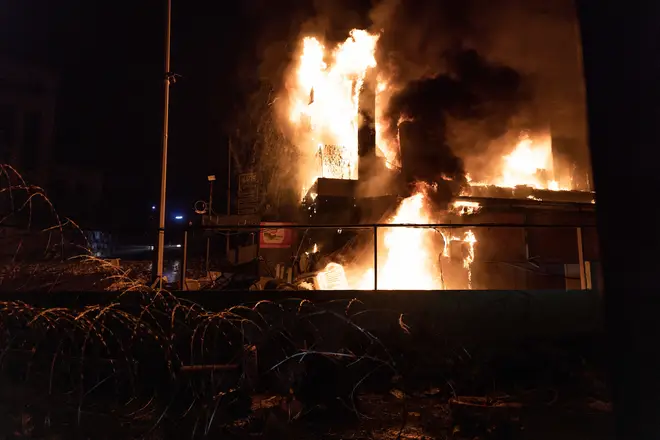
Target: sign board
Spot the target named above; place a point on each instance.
(248, 184)
(274, 237)
(248, 193)
(247, 207)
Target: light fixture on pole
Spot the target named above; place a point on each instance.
(211, 179)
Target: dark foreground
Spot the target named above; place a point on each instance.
(147, 364)
(552, 399)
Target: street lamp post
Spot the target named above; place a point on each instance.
(163, 173)
(210, 209)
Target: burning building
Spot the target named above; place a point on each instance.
(376, 155)
(456, 147)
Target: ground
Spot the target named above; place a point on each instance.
(428, 417)
(100, 366)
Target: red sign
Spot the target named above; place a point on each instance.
(274, 237)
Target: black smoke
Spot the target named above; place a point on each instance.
(472, 89)
(468, 70)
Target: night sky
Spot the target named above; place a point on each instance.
(109, 59)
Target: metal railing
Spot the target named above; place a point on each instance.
(251, 234)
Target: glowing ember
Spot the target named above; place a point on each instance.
(323, 96)
(470, 240)
(465, 207)
(531, 163)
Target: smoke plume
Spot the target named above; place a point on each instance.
(483, 94)
(471, 75)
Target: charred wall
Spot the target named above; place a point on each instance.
(528, 256)
(367, 126)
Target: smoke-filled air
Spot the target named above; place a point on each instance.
(459, 90)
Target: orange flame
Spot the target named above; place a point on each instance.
(530, 163)
(407, 260)
(323, 96)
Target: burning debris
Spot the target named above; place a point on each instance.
(465, 207)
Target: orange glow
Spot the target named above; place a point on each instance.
(407, 262)
(388, 146)
(527, 163)
(332, 277)
(530, 163)
(407, 259)
(323, 104)
(465, 207)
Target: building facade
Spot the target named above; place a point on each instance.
(28, 97)
(27, 114)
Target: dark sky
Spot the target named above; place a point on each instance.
(109, 59)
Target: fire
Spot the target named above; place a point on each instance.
(323, 97)
(407, 259)
(323, 94)
(530, 163)
(470, 240)
(408, 262)
(465, 207)
(387, 146)
(332, 278)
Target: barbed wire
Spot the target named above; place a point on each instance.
(144, 359)
(132, 357)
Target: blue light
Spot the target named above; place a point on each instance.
(178, 217)
(153, 207)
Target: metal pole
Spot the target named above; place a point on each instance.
(208, 253)
(228, 176)
(228, 191)
(211, 196)
(163, 172)
(583, 281)
(375, 257)
(185, 260)
(208, 239)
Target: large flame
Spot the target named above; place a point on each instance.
(530, 163)
(407, 259)
(323, 96)
(323, 93)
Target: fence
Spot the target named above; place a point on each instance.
(396, 256)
